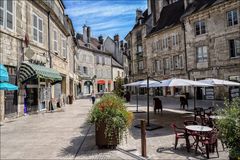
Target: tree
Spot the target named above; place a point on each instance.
(118, 88)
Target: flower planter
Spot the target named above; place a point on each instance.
(101, 140)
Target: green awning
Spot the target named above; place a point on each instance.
(32, 71)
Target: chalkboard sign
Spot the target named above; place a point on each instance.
(234, 92)
(209, 93)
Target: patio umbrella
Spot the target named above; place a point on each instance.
(219, 82)
(138, 84)
(177, 82)
(3, 74)
(7, 86)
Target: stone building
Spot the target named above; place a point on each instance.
(137, 46)
(116, 48)
(93, 64)
(165, 44)
(213, 41)
(34, 48)
(192, 39)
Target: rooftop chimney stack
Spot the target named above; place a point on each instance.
(100, 39)
(187, 3)
(116, 38)
(88, 34)
(85, 37)
(138, 14)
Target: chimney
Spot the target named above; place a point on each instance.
(159, 4)
(88, 34)
(153, 9)
(187, 3)
(100, 39)
(116, 38)
(85, 38)
(149, 7)
(138, 14)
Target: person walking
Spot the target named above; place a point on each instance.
(93, 96)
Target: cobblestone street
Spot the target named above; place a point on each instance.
(67, 135)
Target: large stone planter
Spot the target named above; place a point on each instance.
(101, 140)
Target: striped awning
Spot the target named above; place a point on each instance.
(32, 71)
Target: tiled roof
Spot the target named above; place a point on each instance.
(170, 16)
(116, 64)
(199, 5)
(94, 44)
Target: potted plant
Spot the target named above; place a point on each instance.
(111, 120)
(229, 127)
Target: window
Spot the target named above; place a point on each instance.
(118, 73)
(139, 48)
(157, 65)
(139, 36)
(103, 60)
(85, 70)
(232, 17)
(202, 54)
(37, 29)
(6, 14)
(140, 65)
(97, 59)
(234, 46)
(177, 62)
(175, 39)
(165, 43)
(55, 40)
(64, 48)
(200, 27)
(166, 63)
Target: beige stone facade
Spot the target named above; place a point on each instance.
(196, 42)
(33, 26)
(219, 64)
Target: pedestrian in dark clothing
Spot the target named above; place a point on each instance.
(93, 96)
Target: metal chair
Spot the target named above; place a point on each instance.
(179, 133)
(210, 141)
(157, 105)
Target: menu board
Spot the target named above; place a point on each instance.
(234, 92)
(209, 93)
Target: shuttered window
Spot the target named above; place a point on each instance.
(6, 14)
(37, 29)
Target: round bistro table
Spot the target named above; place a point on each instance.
(197, 128)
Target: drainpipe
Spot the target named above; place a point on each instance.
(49, 43)
(185, 50)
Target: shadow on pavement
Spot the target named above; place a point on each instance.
(165, 120)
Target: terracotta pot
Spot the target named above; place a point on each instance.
(101, 140)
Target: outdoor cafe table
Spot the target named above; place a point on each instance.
(197, 128)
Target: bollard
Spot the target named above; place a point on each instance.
(143, 138)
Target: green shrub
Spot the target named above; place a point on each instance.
(229, 126)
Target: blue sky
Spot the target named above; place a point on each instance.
(105, 17)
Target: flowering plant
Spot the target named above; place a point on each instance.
(111, 111)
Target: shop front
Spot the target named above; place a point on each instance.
(37, 81)
(101, 86)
